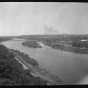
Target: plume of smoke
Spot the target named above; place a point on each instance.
(50, 30)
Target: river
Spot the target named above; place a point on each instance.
(71, 68)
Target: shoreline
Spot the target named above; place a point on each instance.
(43, 73)
(69, 49)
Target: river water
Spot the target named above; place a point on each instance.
(71, 68)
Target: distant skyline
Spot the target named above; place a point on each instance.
(25, 18)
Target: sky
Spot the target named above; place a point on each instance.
(25, 18)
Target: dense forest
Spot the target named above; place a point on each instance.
(12, 72)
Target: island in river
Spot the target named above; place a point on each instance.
(31, 43)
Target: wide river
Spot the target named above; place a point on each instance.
(71, 68)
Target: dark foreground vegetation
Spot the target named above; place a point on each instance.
(12, 72)
(32, 44)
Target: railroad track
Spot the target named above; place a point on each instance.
(34, 72)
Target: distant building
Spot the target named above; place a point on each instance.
(83, 40)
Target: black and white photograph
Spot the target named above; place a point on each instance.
(43, 43)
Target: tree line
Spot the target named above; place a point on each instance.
(12, 72)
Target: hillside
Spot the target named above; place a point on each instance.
(12, 72)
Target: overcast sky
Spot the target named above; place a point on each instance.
(20, 18)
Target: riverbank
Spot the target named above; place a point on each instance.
(32, 44)
(12, 72)
(2, 39)
(37, 71)
(67, 48)
(27, 58)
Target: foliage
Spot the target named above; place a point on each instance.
(80, 44)
(27, 58)
(12, 72)
(32, 44)
(5, 39)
